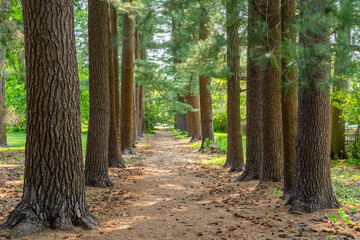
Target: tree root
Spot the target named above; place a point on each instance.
(300, 204)
(117, 163)
(103, 182)
(194, 139)
(24, 221)
(247, 176)
(129, 151)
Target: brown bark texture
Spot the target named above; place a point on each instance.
(181, 118)
(54, 187)
(136, 90)
(96, 164)
(189, 115)
(235, 155)
(207, 128)
(3, 139)
(127, 85)
(254, 104)
(195, 118)
(313, 184)
(115, 45)
(272, 162)
(114, 156)
(289, 93)
(142, 88)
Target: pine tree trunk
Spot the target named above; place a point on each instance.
(313, 184)
(254, 105)
(136, 90)
(3, 139)
(189, 115)
(272, 164)
(115, 41)
(54, 187)
(181, 119)
(207, 128)
(235, 155)
(289, 93)
(96, 165)
(342, 63)
(142, 88)
(127, 85)
(115, 158)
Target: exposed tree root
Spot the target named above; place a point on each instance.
(247, 176)
(129, 151)
(117, 163)
(301, 204)
(236, 169)
(24, 220)
(194, 139)
(102, 182)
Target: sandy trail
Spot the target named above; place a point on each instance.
(166, 193)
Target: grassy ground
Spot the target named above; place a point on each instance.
(16, 141)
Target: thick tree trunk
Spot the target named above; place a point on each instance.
(54, 189)
(115, 158)
(115, 41)
(289, 93)
(342, 63)
(127, 85)
(272, 163)
(96, 165)
(3, 139)
(254, 105)
(195, 119)
(207, 128)
(235, 155)
(313, 184)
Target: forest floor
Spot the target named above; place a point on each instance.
(166, 192)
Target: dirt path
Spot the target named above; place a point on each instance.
(166, 193)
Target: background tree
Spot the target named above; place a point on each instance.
(272, 162)
(235, 155)
(313, 184)
(289, 93)
(254, 149)
(127, 84)
(207, 128)
(54, 189)
(97, 149)
(3, 139)
(114, 156)
(341, 69)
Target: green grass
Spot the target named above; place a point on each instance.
(16, 141)
(214, 161)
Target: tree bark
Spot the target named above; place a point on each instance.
(127, 85)
(313, 184)
(235, 155)
(189, 115)
(207, 128)
(342, 63)
(115, 41)
(54, 187)
(3, 139)
(181, 118)
(97, 149)
(114, 156)
(254, 104)
(136, 90)
(272, 162)
(142, 88)
(289, 93)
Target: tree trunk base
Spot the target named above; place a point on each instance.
(119, 162)
(236, 169)
(301, 204)
(247, 176)
(129, 151)
(24, 221)
(286, 195)
(103, 182)
(194, 139)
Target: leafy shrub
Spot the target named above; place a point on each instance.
(220, 122)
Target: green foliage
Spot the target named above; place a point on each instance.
(221, 142)
(214, 161)
(220, 122)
